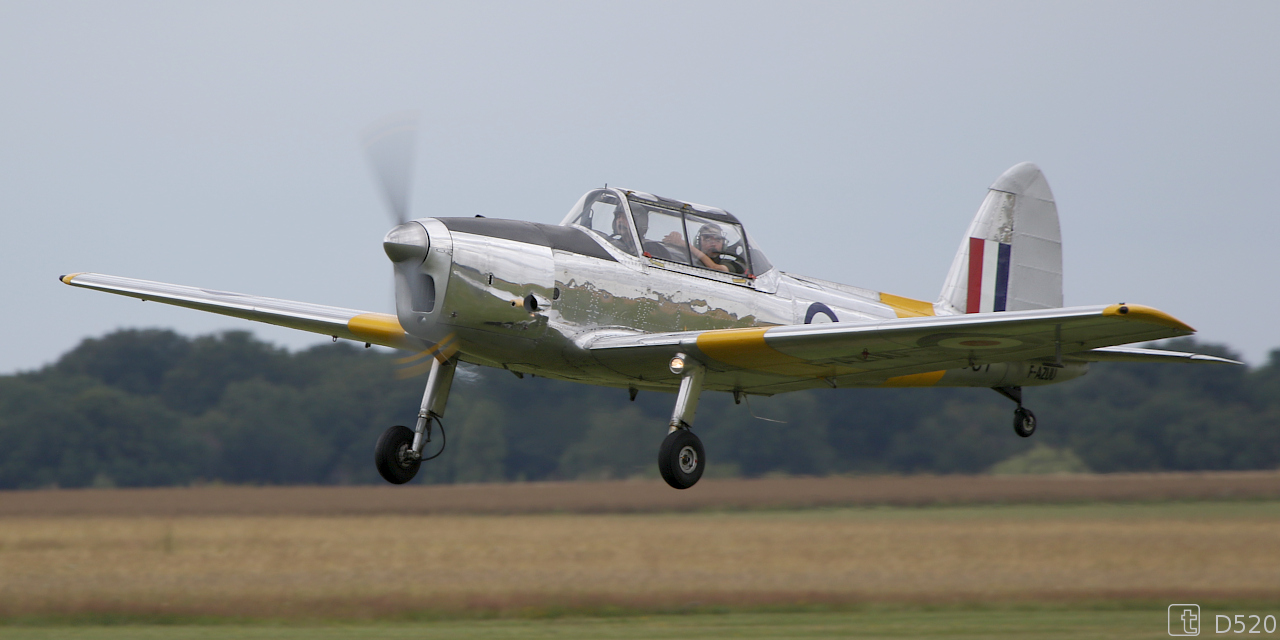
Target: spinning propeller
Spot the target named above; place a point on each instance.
(390, 145)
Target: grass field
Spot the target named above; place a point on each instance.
(868, 624)
(1060, 568)
(344, 567)
(643, 496)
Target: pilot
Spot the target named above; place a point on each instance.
(708, 249)
(621, 232)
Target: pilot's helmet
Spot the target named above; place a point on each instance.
(710, 229)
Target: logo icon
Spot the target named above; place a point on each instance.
(1184, 619)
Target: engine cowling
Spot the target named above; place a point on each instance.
(421, 253)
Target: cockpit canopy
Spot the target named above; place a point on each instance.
(669, 230)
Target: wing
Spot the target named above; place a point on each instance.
(873, 353)
(361, 326)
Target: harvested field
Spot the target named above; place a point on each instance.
(370, 552)
(641, 496)
(873, 623)
(375, 566)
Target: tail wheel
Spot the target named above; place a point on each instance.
(1024, 422)
(394, 455)
(681, 459)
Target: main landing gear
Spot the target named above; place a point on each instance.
(1024, 422)
(681, 459)
(399, 451)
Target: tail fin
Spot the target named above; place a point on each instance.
(1011, 259)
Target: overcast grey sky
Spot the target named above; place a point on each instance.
(217, 144)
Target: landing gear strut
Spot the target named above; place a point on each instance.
(1024, 422)
(399, 451)
(681, 459)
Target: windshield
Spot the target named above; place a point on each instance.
(663, 237)
(717, 245)
(603, 213)
(681, 234)
(671, 230)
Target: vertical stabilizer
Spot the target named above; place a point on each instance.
(1011, 258)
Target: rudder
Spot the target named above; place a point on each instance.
(1011, 258)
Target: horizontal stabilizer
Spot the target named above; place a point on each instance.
(1138, 354)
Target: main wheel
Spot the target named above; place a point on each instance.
(392, 455)
(681, 459)
(1024, 422)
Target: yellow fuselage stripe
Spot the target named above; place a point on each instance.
(907, 307)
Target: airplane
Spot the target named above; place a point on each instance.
(642, 292)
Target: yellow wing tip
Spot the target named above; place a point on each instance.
(1146, 314)
(69, 277)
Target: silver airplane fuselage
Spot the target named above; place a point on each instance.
(531, 298)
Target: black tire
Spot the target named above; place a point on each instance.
(1024, 422)
(681, 459)
(391, 455)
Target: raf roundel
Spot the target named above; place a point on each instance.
(979, 342)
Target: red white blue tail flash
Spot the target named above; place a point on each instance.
(988, 275)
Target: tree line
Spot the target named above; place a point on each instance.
(149, 407)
